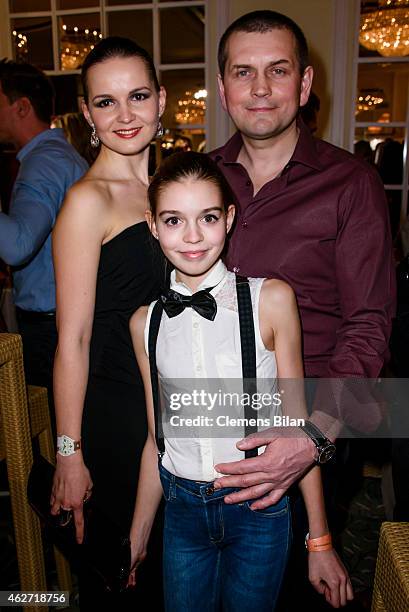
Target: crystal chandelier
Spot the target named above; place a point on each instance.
(75, 45)
(192, 108)
(369, 99)
(386, 30)
(20, 46)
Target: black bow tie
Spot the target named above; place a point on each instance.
(202, 302)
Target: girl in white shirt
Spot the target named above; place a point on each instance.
(216, 553)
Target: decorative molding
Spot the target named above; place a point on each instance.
(222, 121)
(344, 43)
(5, 38)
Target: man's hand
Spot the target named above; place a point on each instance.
(287, 456)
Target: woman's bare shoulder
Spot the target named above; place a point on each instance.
(86, 210)
(88, 190)
(88, 201)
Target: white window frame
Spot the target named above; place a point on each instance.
(103, 10)
(404, 186)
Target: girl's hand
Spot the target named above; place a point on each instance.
(72, 486)
(329, 577)
(138, 554)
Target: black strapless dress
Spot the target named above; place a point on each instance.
(114, 424)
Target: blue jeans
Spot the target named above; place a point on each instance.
(217, 554)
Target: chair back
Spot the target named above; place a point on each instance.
(15, 447)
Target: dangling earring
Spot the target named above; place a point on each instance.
(160, 131)
(94, 138)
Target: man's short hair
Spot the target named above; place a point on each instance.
(261, 22)
(25, 81)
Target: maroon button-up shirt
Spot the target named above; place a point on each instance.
(323, 227)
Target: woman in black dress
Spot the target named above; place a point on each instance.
(105, 268)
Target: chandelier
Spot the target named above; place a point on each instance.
(76, 44)
(386, 30)
(20, 45)
(192, 108)
(369, 99)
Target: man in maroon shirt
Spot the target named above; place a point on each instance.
(312, 215)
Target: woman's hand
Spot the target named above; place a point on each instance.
(138, 554)
(329, 577)
(72, 486)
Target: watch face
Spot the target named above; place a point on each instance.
(66, 446)
(326, 453)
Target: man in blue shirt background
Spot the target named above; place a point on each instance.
(49, 165)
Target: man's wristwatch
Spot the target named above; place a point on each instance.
(325, 448)
(66, 446)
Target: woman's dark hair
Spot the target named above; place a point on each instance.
(116, 46)
(261, 22)
(184, 166)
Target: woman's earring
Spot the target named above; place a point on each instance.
(160, 131)
(94, 138)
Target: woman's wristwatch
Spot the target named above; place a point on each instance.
(325, 448)
(66, 446)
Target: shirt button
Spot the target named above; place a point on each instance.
(198, 368)
(195, 325)
(244, 224)
(248, 183)
(236, 269)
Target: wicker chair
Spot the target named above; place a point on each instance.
(15, 447)
(391, 586)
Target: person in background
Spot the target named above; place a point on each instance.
(78, 133)
(362, 150)
(389, 163)
(49, 166)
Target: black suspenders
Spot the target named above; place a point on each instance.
(248, 357)
(154, 325)
(248, 352)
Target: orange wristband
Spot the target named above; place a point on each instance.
(318, 544)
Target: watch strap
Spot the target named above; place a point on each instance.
(314, 433)
(325, 448)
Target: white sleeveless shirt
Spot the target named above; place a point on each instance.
(191, 347)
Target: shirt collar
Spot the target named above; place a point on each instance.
(230, 151)
(213, 279)
(305, 151)
(55, 134)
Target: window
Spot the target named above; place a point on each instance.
(380, 123)
(56, 35)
